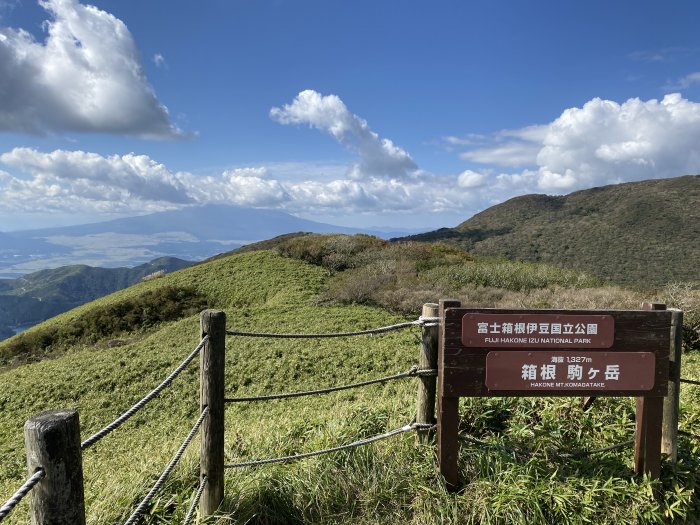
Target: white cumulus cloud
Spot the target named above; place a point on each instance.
(377, 157)
(240, 186)
(86, 77)
(138, 175)
(80, 181)
(603, 142)
(471, 179)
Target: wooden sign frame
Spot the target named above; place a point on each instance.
(462, 368)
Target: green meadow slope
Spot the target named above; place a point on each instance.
(40, 295)
(393, 481)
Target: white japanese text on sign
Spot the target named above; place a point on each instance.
(546, 370)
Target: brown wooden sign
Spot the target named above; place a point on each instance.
(528, 330)
(574, 371)
(499, 352)
(462, 369)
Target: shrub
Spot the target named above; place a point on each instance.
(358, 286)
(409, 300)
(333, 252)
(412, 257)
(403, 276)
(388, 274)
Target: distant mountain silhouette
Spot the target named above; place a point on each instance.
(190, 233)
(214, 221)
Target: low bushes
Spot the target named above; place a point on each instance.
(403, 276)
(333, 252)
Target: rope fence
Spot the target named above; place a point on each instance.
(195, 502)
(61, 417)
(413, 372)
(168, 469)
(689, 381)
(21, 492)
(421, 321)
(138, 406)
(84, 445)
(296, 457)
(688, 434)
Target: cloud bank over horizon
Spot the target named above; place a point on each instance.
(88, 182)
(86, 77)
(603, 142)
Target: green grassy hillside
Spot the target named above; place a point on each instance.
(394, 481)
(643, 234)
(39, 295)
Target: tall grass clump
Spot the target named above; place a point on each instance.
(511, 275)
(334, 252)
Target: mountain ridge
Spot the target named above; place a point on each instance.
(640, 233)
(43, 294)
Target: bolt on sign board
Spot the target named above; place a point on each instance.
(500, 352)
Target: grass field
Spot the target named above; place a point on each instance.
(393, 481)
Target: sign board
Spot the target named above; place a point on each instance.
(570, 371)
(483, 352)
(499, 352)
(537, 330)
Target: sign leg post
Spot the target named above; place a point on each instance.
(447, 410)
(647, 439)
(639, 440)
(448, 444)
(669, 436)
(647, 442)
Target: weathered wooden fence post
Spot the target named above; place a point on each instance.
(669, 437)
(425, 406)
(211, 395)
(52, 442)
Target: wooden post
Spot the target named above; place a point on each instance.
(211, 394)
(448, 414)
(649, 416)
(669, 437)
(52, 442)
(425, 407)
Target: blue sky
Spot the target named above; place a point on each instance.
(362, 113)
